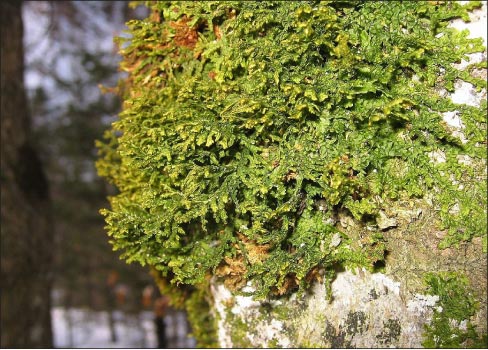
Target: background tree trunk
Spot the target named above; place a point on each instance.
(26, 230)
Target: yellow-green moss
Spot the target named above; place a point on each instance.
(238, 332)
(248, 127)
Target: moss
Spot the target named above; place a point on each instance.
(203, 324)
(195, 301)
(282, 312)
(456, 306)
(249, 127)
(273, 344)
(239, 328)
(311, 345)
(238, 332)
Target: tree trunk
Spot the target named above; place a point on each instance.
(370, 310)
(394, 308)
(26, 230)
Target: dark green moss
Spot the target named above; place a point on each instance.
(195, 301)
(273, 344)
(203, 324)
(456, 306)
(238, 332)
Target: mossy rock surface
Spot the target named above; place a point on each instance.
(276, 143)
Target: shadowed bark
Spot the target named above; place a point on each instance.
(26, 228)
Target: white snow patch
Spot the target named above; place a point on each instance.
(463, 325)
(476, 57)
(268, 332)
(454, 209)
(247, 309)
(465, 159)
(83, 328)
(477, 26)
(342, 287)
(221, 295)
(248, 288)
(452, 119)
(421, 302)
(437, 156)
(376, 296)
(244, 302)
(466, 94)
(387, 282)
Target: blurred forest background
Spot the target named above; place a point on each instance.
(69, 55)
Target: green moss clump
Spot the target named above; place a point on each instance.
(247, 126)
(202, 322)
(195, 300)
(238, 332)
(456, 305)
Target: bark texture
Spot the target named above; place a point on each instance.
(361, 309)
(26, 230)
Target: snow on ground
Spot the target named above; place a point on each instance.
(84, 328)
